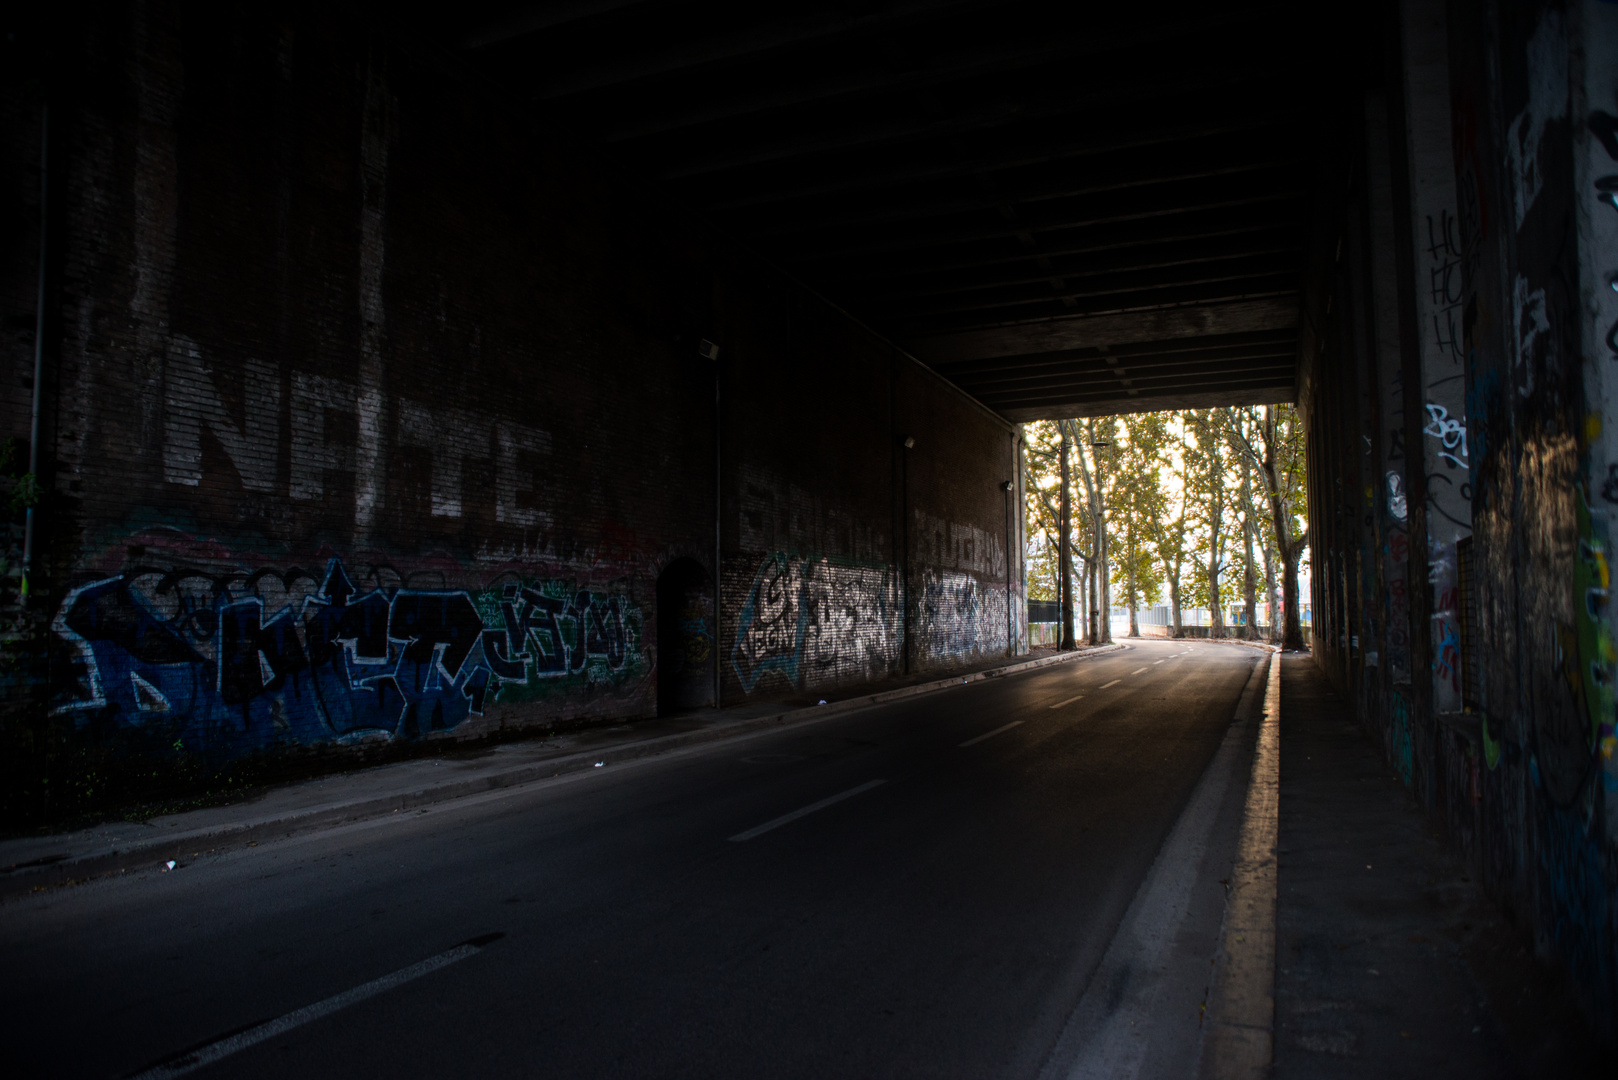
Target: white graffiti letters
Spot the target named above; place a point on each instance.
(1450, 432)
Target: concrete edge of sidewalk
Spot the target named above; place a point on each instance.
(27, 878)
(1238, 1041)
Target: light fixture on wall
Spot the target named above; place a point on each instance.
(1005, 485)
(909, 442)
(708, 349)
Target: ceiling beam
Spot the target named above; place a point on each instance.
(536, 18)
(907, 206)
(680, 59)
(1126, 139)
(1268, 208)
(1260, 273)
(1131, 260)
(887, 130)
(1116, 237)
(1167, 297)
(1262, 394)
(997, 381)
(1244, 316)
(973, 58)
(1146, 388)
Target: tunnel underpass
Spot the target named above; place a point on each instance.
(401, 381)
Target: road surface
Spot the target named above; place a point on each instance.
(925, 888)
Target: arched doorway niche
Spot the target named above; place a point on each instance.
(685, 638)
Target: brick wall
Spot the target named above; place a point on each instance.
(380, 415)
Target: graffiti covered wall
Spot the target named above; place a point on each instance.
(905, 570)
(816, 623)
(1509, 305)
(227, 662)
(389, 426)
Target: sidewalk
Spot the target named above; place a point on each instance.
(1389, 961)
(28, 864)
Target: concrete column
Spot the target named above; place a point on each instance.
(1392, 509)
(1442, 375)
(1594, 78)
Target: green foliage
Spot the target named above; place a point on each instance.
(1181, 492)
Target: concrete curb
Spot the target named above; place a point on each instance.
(26, 878)
(1239, 1023)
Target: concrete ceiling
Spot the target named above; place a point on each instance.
(1065, 209)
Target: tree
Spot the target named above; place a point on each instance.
(1235, 422)
(1162, 494)
(1048, 453)
(1205, 475)
(1168, 535)
(1042, 468)
(1100, 600)
(1141, 502)
(1066, 550)
(1278, 455)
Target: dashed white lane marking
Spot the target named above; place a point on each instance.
(1137, 671)
(1114, 682)
(1069, 701)
(207, 1055)
(776, 823)
(1155, 662)
(991, 734)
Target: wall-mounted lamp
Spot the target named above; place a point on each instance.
(910, 442)
(708, 349)
(1005, 485)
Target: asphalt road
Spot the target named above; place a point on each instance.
(944, 917)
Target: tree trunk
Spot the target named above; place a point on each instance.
(1081, 572)
(1090, 596)
(1292, 637)
(1249, 583)
(1269, 594)
(1134, 602)
(1056, 570)
(1174, 606)
(1106, 588)
(1216, 521)
(1065, 554)
(1291, 550)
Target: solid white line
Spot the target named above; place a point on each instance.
(1130, 991)
(1069, 701)
(1114, 682)
(760, 830)
(1137, 671)
(211, 1053)
(991, 734)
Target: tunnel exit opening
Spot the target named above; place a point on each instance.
(685, 638)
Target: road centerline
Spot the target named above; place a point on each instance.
(990, 734)
(776, 823)
(1114, 682)
(1069, 701)
(1137, 671)
(230, 1044)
